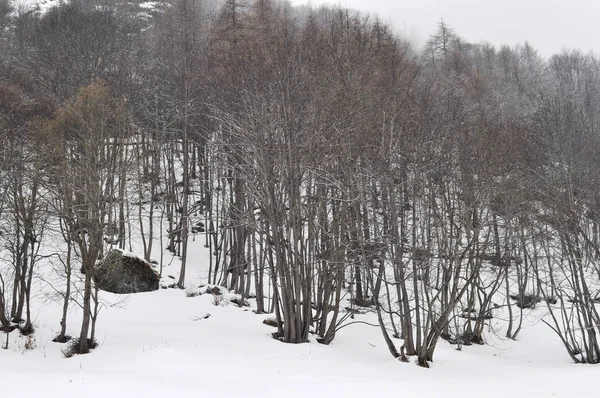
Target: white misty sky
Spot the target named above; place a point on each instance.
(548, 25)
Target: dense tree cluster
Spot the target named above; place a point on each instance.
(325, 162)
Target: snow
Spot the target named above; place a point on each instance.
(39, 5)
(152, 5)
(42, 6)
(166, 344)
(153, 347)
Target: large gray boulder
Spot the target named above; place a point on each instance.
(121, 272)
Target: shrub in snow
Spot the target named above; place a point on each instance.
(29, 342)
(526, 301)
(61, 339)
(270, 322)
(73, 347)
(217, 299)
(237, 300)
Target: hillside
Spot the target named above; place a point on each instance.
(153, 344)
(291, 201)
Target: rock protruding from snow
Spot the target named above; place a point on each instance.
(120, 272)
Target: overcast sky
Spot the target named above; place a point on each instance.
(548, 25)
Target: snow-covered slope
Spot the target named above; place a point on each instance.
(164, 344)
(41, 5)
(167, 344)
(143, 9)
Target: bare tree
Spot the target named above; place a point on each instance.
(87, 132)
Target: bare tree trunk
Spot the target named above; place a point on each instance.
(87, 311)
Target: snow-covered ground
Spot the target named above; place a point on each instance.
(165, 344)
(41, 5)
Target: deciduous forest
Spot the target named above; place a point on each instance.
(328, 167)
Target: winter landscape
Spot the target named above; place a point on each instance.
(249, 198)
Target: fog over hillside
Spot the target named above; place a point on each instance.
(549, 26)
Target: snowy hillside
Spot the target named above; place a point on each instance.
(41, 5)
(166, 344)
(243, 199)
